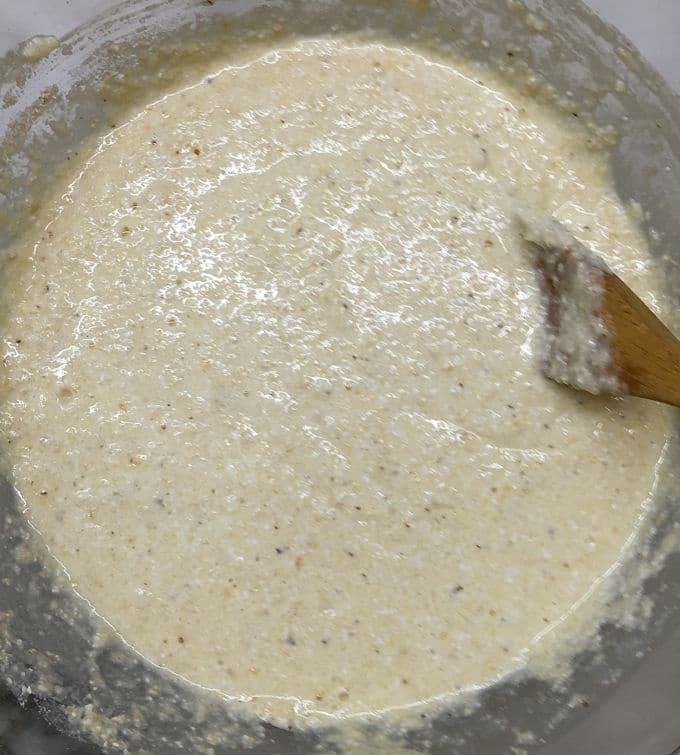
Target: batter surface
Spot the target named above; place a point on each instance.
(272, 395)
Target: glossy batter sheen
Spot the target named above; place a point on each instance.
(271, 390)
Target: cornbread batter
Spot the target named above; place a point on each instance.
(272, 395)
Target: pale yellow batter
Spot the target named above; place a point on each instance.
(271, 388)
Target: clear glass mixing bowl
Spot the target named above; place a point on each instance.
(621, 698)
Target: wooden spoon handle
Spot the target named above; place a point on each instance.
(644, 352)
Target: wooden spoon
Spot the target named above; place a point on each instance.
(601, 336)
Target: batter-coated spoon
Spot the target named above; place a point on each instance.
(601, 337)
